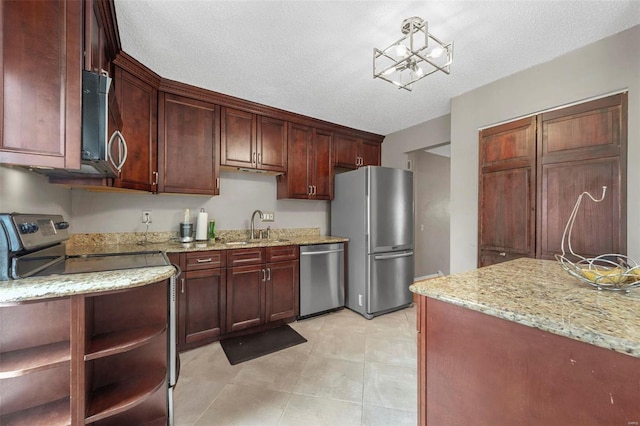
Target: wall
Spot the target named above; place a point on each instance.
(607, 66)
(23, 191)
(431, 182)
(88, 212)
(240, 195)
(397, 145)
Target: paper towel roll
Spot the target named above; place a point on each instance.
(201, 225)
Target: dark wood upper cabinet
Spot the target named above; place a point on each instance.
(310, 169)
(41, 83)
(533, 170)
(351, 152)
(189, 130)
(252, 141)
(137, 100)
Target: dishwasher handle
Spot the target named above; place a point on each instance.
(393, 256)
(311, 253)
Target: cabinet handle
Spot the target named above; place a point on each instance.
(181, 285)
(264, 275)
(310, 190)
(217, 183)
(254, 157)
(503, 254)
(155, 178)
(269, 274)
(315, 190)
(203, 260)
(259, 158)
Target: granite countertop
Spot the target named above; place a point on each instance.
(540, 294)
(54, 286)
(174, 246)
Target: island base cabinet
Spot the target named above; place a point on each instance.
(479, 369)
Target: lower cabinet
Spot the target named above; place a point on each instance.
(221, 292)
(262, 291)
(89, 359)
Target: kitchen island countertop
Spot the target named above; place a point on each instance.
(540, 294)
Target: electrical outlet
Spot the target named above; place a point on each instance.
(146, 216)
(267, 217)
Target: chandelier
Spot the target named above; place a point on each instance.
(416, 55)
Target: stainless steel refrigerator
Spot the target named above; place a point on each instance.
(373, 207)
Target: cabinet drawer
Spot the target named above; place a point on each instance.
(248, 256)
(282, 253)
(206, 260)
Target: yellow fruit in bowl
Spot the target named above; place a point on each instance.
(634, 274)
(604, 276)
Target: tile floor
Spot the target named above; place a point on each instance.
(351, 371)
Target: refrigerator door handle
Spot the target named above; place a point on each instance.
(393, 256)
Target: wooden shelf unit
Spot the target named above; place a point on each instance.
(29, 360)
(117, 342)
(55, 413)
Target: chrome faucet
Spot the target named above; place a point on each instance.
(253, 216)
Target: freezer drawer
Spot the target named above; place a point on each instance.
(321, 278)
(390, 276)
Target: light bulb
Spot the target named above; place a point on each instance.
(436, 52)
(389, 71)
(402, 50)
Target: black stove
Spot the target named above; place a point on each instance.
(32, 245)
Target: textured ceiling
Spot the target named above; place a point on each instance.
(315, 57)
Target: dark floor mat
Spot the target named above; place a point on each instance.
(244, 348)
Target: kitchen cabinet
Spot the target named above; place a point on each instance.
(262, 286)
(582, 148)
(533, 170)
(85, 359)
(201, 297)
(41, 83)
(189, 131)
(351, 152)
(137, 95)
(507, 192)
(309, 168)
(252, 141)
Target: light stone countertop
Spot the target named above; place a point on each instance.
(540, 294)
(54, 286)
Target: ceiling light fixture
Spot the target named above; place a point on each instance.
(416, 55)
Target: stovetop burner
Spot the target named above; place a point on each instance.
(32, 245)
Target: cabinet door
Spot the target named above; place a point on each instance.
(238, 138)
(298, 184)
(245, 296)
(582, 148)
(346, 152)
(204, 305)
(370, 153)
(321, 166)
(187, 145)
(41, 83)
(282, 289)
(506, 217)
(272, 144)
(507, 192)
(138, 110)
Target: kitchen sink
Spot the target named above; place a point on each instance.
(236, 243)
(264, 240)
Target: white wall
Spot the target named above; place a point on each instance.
(23, 191)
(397, 145)
(606, 66)
(240, 195)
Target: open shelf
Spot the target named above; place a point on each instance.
(118, 397)
(56, 413)
(25, 361)
(121, 341)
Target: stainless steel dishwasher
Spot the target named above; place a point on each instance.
(321, 278)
